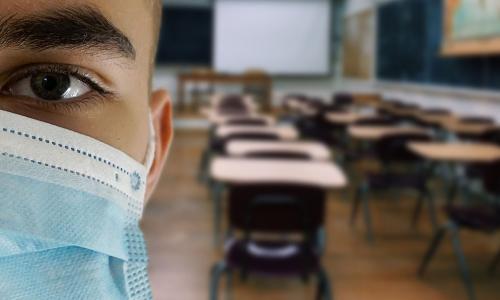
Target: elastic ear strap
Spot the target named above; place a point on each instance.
(150, 154)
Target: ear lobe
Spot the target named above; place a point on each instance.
(161, 112)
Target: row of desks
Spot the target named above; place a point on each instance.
(212, 78)
(320, 172)
(450, 122)
(466, 152)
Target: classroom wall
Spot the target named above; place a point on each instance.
(463, 101)
(165, 76)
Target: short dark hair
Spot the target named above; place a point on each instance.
(157, 11)
(157, 15)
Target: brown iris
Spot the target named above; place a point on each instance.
(50, 86)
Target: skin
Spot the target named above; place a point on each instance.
(120, 120)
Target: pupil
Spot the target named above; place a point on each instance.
(49, 83)
(50, 86)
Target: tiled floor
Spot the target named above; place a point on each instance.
(178, 227)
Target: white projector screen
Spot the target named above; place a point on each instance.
(282, 37)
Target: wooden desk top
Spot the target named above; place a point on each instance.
(213, 116)
(308, 111)
(366, 97)
(284, 132)
(347, 118)
(457, 152)
(455, 126)
(402, 111)
(316, 151)
(301, 107)
(437, 119)
(373, 133)
(218, 119)
(398, 110)
(248, 100)
(261, 171)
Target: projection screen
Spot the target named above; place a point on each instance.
(281, 37)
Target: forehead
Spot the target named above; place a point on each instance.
(134, 18)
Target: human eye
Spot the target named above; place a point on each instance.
(54, 85)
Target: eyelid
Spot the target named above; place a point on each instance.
(87, 77)
(99, 95)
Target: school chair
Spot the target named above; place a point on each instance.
(483, 217)
(253, 209)
(401, 169)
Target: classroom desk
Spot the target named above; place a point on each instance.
(456, 155)
(209, 113)
(460, 128)
(284, 132)
(452, 124)
(403, 112)
(301, 107)
(367, 98)
(217, 119)
(221, 78)
(316, 151)
(247, 100)
(457, 152)
(434, 119)
(261, 171)
(306, 109)
(400, 111)
(373, 133)
(230, 171)
(293, 104)
(347, 118)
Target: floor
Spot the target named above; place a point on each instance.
(178, 228)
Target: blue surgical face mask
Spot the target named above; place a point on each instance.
(70, 208)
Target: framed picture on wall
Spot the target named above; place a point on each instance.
(471, 28)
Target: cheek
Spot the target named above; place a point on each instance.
(122, 127)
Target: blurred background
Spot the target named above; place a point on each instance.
(345, 149)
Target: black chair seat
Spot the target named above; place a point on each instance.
(482, 218)
(272, 258)
(395, 180)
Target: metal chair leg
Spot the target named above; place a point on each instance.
(436, 241)
(367, 215)
(452, 193)
(324, 289)
(418, 210)
(217, 190)
(202, 169)
(229, 284)
(431, 206)
(462, 263)
(494, 264)
(355, 205)
(216, 273)
(321, 240)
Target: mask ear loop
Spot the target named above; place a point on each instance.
(150, 154)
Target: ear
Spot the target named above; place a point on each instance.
(161, 111)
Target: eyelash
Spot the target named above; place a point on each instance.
(96, 96)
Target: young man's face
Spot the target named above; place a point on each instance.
(84, 65)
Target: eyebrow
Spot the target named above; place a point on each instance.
(81, 28)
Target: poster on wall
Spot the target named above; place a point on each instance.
(472, 27)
